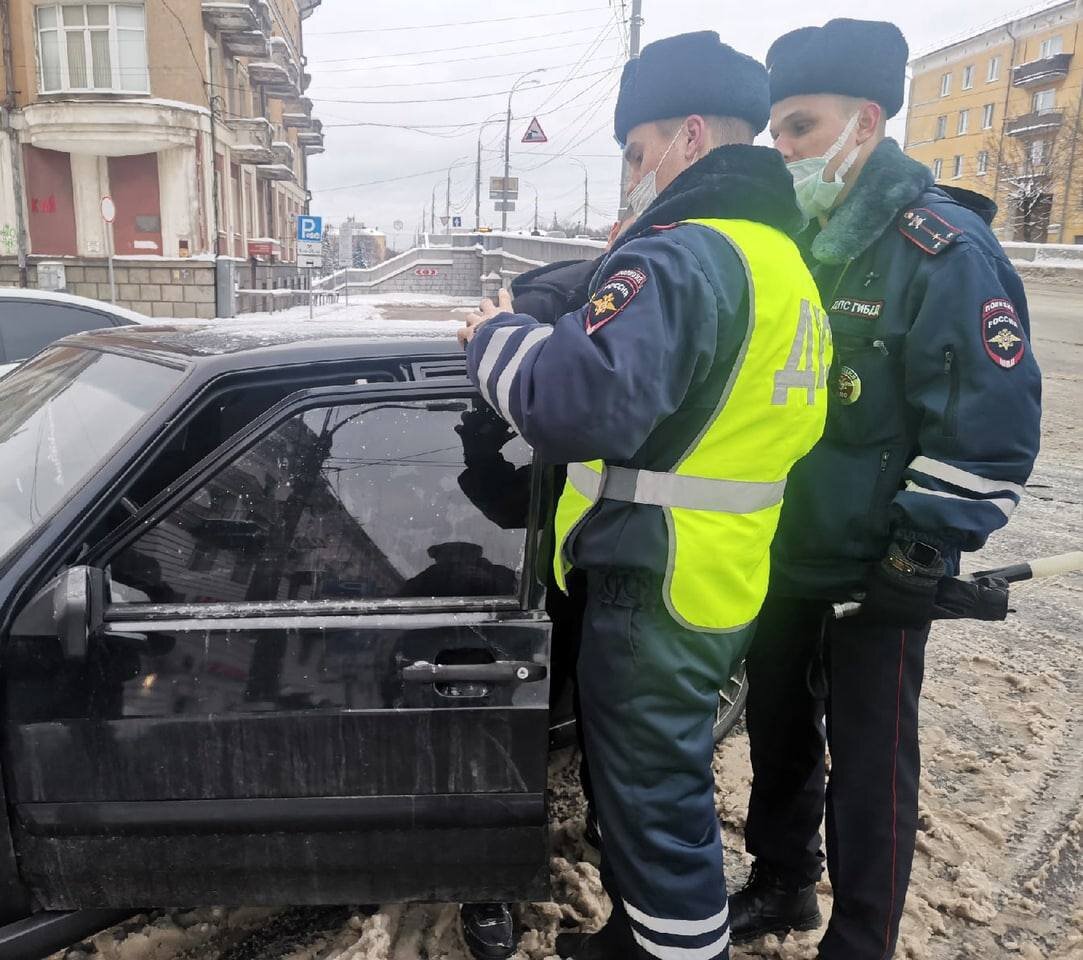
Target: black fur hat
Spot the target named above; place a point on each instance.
(691, 73)
(856, 58)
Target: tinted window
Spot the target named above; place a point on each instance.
(27, 326)
(60, 416)
(375, 500)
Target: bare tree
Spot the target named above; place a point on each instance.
(1038, 159)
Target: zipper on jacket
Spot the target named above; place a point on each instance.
(878, 487)
(951, 370)
(838, 283)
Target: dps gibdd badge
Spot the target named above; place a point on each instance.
(848, 387)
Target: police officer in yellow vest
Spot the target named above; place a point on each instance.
(680, 395)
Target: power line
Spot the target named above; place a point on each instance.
(467, 46)
(445, 80)
(458, 23)
(472, 96)
(443, 60)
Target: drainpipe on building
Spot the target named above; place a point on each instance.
(215, 102)
(10, 107)
(1074, 134)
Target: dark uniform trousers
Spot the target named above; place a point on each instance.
(649, 696)
(867, 679)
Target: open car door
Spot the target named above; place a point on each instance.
(312, 671)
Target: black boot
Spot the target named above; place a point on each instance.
(770, 904)
(489, 930)
(613, 942)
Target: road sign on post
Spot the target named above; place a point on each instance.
(504, 205)
(109, 214)
(456, 221)
(499, 189)
(309, 250)
(534, 133)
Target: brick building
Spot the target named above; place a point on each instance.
(999, 113)
(190, 114)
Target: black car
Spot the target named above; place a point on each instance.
(271, 627)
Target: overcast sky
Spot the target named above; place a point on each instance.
(415, 63)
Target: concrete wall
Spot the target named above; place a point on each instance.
(156, 288)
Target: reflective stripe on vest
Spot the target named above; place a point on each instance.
(723, 497)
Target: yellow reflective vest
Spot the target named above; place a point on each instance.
(723, 497)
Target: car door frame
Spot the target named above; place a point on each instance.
(526, 604)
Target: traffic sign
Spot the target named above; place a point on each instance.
(309, 260)
(310, 248)
(504, 205)
(456, 221)
(426, 272)
(398, 224)
(534, 133)
(310, 228)
(501, 189)
(109, 209)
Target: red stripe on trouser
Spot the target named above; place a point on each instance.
(894, 796)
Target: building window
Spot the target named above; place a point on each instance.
(945, 84)
(1051, 46)
(964, 121)
(1037, 152)
(994, 70)
(987, 116)
(957, 168)
(92, 46)
(968, 77)
(983, 163)
(938, 169)
(941, 128)
(1044, 101)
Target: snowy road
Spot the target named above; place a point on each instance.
(999, 869)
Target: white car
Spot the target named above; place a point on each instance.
(32, 319)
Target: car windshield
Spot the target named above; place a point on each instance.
(61, 415)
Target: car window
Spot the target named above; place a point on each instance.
(61, 415)
(360, 501)
(27, 326)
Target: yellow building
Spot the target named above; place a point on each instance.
(999, 113)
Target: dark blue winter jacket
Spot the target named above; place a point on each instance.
(933, 423)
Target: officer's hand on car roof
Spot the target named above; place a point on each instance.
(486, 311)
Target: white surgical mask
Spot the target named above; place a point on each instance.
(816, 196)
(646, 191)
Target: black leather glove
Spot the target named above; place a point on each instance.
(483, 434)
(901, 590)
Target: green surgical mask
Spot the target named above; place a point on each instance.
(815, 196)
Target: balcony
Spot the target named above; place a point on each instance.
(239, 16)
(275, 171)
(265, 73)
(311, 140)
(1041, 71)
(283, 153)
(308, 6)
(253, 140)
(282, 55)
(1039, 121)
(247, 43)
(296, 121)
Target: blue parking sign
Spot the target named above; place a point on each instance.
(310, 228)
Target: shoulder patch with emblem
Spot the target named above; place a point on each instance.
(613, 296)
(928, 230)
(1002, 333)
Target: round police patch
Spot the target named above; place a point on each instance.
(1002, 333)
(613, 296)
(848, 387)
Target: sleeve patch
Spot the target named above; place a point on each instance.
(612, 297)
(929, 231)
(1002, 333)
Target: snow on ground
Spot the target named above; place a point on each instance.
(999, 865)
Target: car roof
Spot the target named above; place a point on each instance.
(242, 344)
(69, 299)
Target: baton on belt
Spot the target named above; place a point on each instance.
(983, 595)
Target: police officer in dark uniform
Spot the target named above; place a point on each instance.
(679, 394)
(933, 427)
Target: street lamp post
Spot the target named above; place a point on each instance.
(586, 191)
(507, 142)
(493, 118)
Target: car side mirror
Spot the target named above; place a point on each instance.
(78, 609)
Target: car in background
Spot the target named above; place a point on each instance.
(32, 319)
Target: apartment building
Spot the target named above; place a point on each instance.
(999, 113)
(189, 114)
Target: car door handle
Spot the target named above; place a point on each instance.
(502, 671)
